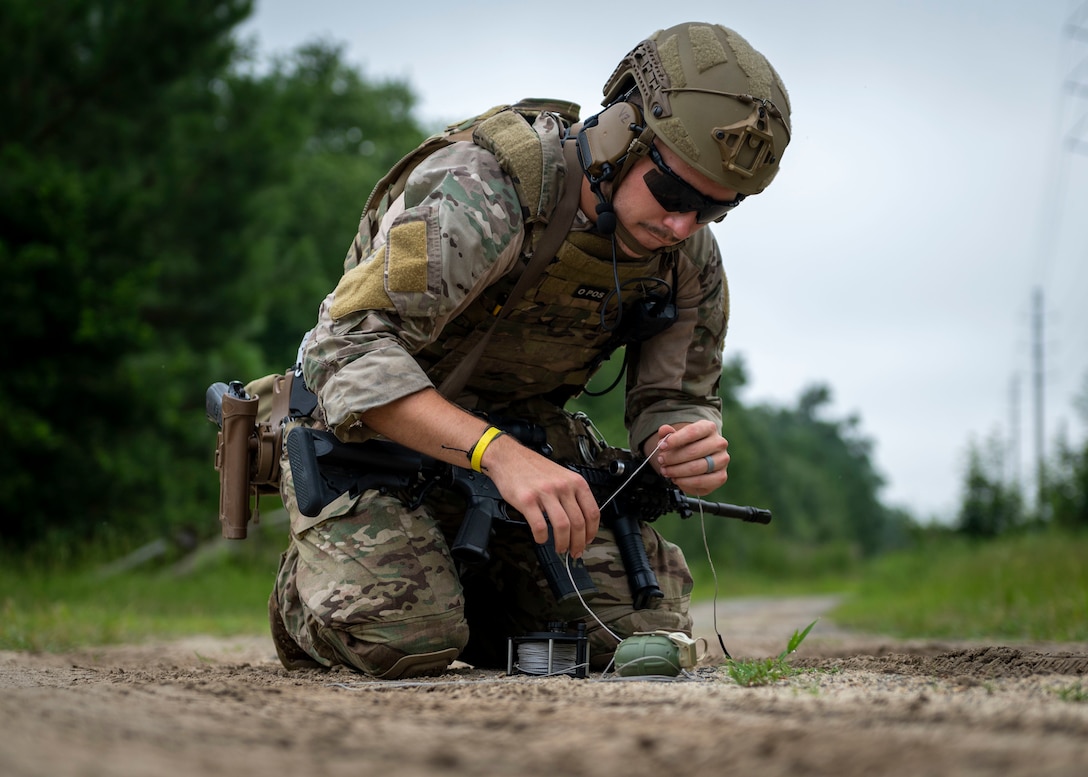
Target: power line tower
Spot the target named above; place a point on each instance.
(1039, 383)
(1072, 126)
(1076, 84)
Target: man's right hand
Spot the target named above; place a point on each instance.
(534, 485)
(544, 493)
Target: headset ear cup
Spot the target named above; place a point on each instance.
(605, 138)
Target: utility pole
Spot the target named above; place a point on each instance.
(1076, 29)
(1074, 141)
(1013, 456)
(1037, 358)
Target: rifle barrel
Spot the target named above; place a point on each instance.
(744, 513)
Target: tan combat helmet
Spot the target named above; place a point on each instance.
(712, 99)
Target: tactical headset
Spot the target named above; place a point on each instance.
(607, 148)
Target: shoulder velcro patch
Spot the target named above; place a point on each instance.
(407, 257)
(516, 145)
(398, 266)
(362, 288)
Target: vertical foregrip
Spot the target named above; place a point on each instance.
(645, 591)
(628, 503)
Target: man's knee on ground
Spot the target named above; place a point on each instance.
(391, 651)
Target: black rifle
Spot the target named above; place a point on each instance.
(323, 468)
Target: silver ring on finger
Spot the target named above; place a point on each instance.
(709, 464)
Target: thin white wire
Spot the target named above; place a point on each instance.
(570, 576)
(566, 556)
(682, 676)
(638, 469)
(714, 574)
(533, 659)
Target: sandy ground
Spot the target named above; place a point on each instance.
(870, 706)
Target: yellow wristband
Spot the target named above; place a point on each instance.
(476, 455)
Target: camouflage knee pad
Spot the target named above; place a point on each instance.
(370, 584)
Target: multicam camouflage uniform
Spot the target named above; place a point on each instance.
(371, 585)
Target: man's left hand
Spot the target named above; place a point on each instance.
(693, 456)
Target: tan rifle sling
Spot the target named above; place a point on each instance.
(550, 240)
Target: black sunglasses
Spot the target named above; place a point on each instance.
(676, 195)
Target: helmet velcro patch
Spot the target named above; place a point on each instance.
(706, 47)
(678, 138)
(668, 51)
(761, 77)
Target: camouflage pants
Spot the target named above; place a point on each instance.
(370, 584)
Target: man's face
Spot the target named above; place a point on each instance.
(661, 202)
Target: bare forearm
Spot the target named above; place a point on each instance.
(541, 490)
(429, 423)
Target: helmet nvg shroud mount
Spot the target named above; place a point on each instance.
(711, 98)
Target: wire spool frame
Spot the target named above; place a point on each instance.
(554, 652)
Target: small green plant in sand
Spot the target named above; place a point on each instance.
(1073, 693)
(764, 671)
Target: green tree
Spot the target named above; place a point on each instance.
(169, 216)
(90, 89)
(990, 506)
(815, 474)
(346, 132)
(1067, 486)
(1067, 478)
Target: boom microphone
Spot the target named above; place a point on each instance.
(606, 218)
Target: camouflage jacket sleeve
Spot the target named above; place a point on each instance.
(456, 228)
(680, 369)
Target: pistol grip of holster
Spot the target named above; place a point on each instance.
(233, 456)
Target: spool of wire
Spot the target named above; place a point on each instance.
(554, 652)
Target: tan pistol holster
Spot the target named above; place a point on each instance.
(247, 453)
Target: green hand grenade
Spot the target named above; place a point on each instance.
(655, 653)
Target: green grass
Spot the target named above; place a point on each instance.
(52, 609)
(1028, 587)
(766, 671)
(745, 582)
(768, 568)
(64, 612)
(1025, 587)
(1073, 693)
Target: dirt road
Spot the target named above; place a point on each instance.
(871, 706)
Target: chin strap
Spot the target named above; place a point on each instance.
(608, 224)
(631, 243)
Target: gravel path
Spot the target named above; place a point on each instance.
(868, 705)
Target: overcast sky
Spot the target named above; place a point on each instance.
(925, 195)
